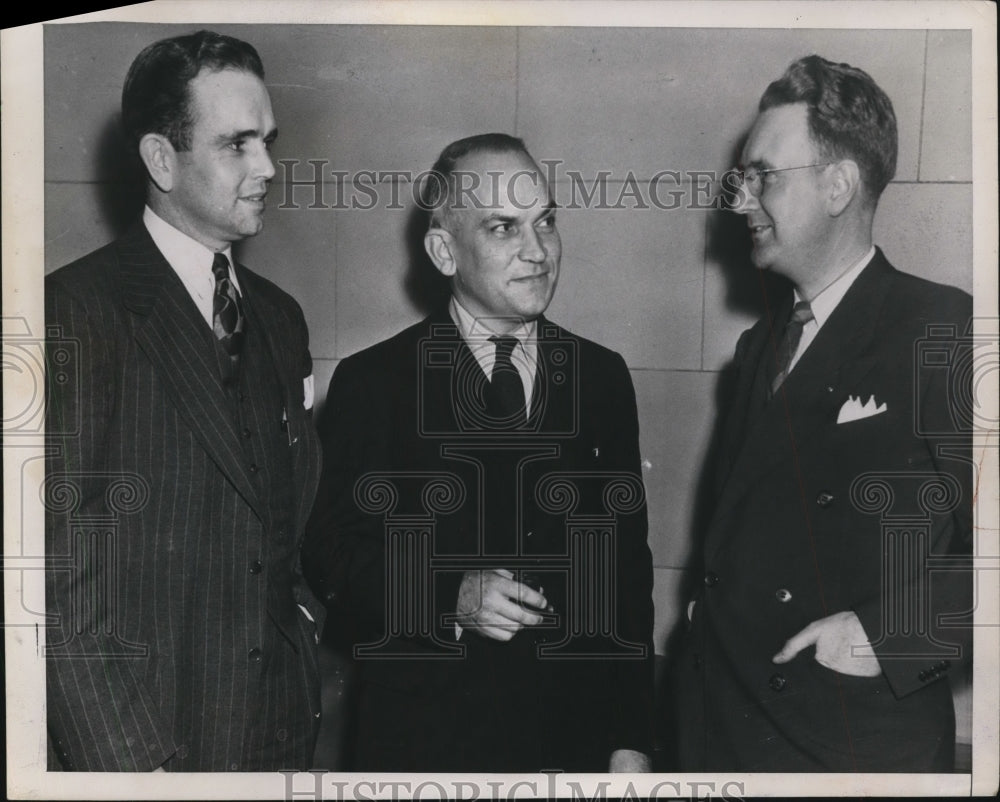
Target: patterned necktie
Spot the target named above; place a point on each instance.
(505, 402)
(801, 314)
(228, 319)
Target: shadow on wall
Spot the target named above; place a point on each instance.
(424, 285)
(122, 184)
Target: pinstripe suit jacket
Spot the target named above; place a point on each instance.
(158, 532)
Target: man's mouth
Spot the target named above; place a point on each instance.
(533, 277)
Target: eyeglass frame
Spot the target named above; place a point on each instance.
(759, 174)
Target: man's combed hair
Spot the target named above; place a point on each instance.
(439, 186)
(849, 115)
(156, 97)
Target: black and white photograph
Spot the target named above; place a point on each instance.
(501, 400)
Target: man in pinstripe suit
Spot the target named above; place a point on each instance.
(183, 460)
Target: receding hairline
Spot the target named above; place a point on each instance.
(487, 163)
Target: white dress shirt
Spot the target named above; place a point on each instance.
(823, 304)
(476, 333)
(190, 260)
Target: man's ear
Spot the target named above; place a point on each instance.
(438, 243)
(844, 185)
(160, 159)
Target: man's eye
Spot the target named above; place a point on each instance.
(237, 145)
(502, 228)
(547, 223)
(769, 177)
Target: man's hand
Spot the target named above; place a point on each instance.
(628, 761)
(488, 604)
(834, 637)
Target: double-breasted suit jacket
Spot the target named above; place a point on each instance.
(176, 501)
(815, 516)
(412, 460)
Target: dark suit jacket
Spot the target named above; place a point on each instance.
(813, 517)
(409, 461)
(155, 512)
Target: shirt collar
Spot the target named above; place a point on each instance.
(191, 260)
(823, 304)
(475, 331)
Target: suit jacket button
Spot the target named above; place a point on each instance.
(281, 734)
(255, 655)
(253, 467)
(711, 579)
(777, 682)
(824, 500)
(923, 676)
(783, 595)
(330, 597)
(256, 567)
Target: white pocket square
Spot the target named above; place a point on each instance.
(853, 409)
(307, 391)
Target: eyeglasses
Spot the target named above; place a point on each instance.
(753, 180)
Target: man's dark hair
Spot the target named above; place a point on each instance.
(156, 97)
(439, 185)
(849, 115)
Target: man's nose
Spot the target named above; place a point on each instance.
(264, 166)
(532, 249)
(744, 201)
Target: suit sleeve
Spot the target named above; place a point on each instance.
(632, 727)
(100, 716)
(343, 550)
(301, 590)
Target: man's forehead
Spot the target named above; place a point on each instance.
(780, 131)
(213, 86)
(507, 180)
(230, 98)
(489, 160)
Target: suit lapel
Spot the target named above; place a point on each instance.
(819, 384)
(756, 346)
(180, 346)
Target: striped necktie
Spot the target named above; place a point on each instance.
(228, 319)
(801, 314)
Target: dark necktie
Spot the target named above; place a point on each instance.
(801, 314)
(505, 403)
(228, 319)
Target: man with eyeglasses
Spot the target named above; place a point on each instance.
(819, 639)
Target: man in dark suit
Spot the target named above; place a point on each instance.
(482, 516)
(184, 460)
(820, 639)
